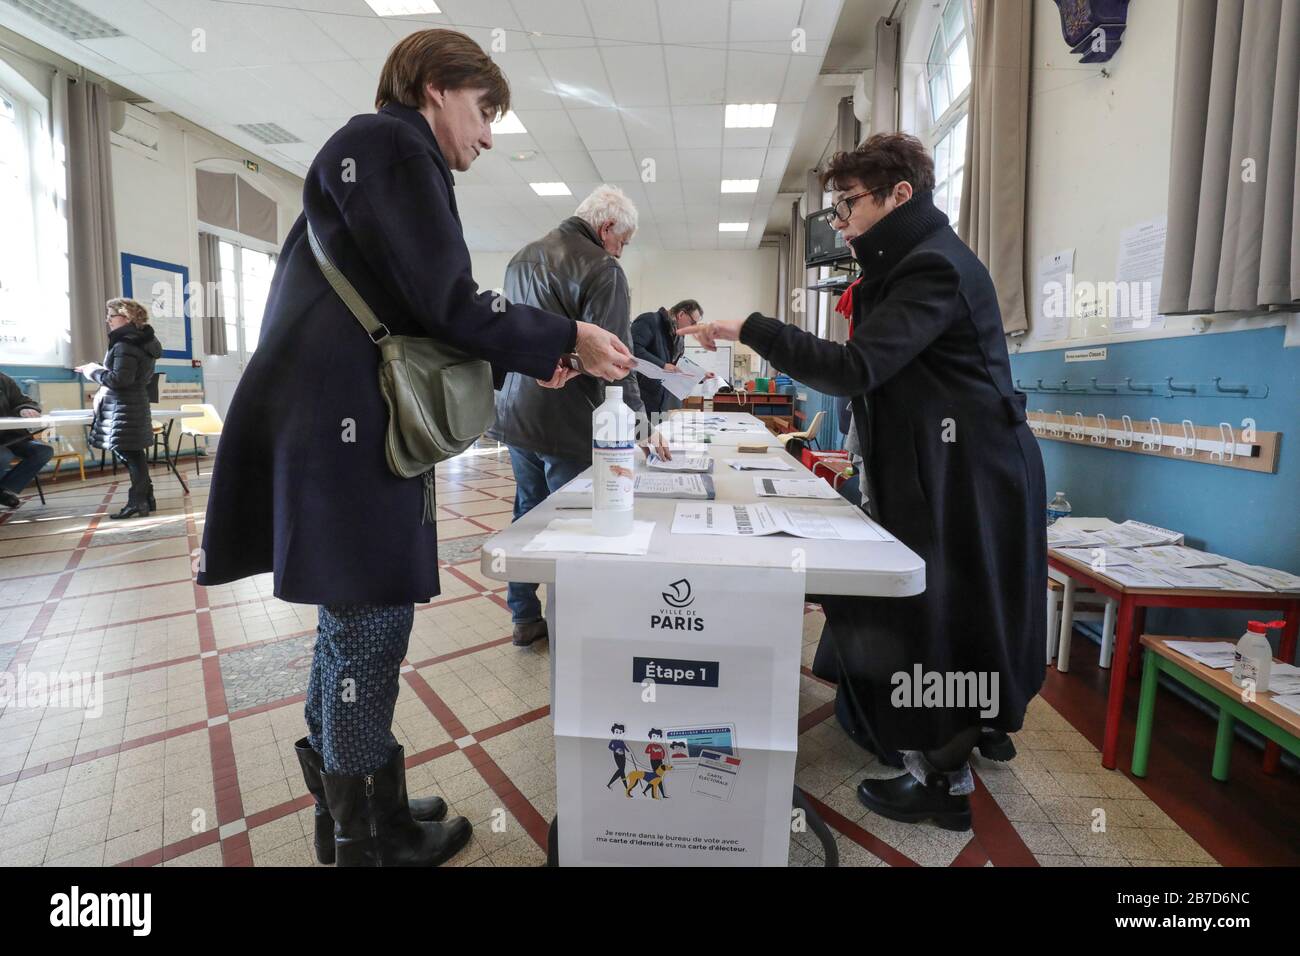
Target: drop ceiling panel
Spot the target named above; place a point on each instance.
(696, 75)
(758, 20)
(650, 128)
(129, 55)
(692, 22)
(578, 76)
(755, 77)
(697, 126)
(551, 129)
(637, 75)
(600, 129)
(633, 22)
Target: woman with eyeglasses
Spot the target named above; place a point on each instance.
(951, 469)
(123, 423)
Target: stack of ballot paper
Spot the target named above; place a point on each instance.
(845, 524)
(1218, 655)
(759, 464)
(793, 488)
(650, 486)
(701, 464)
(680, 383)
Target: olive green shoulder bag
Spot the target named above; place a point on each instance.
(439, 398)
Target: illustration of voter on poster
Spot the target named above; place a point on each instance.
(619, 749)
(657, 754)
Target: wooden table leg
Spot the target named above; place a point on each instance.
(1286, 651)
(1118, 676)
(1146, 715)
(1223, 745)
(1139, 628)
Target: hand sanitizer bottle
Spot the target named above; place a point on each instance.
(613, 449)
(1253, 660)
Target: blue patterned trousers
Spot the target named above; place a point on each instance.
(353, 686)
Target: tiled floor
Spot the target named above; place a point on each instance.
(191, 760)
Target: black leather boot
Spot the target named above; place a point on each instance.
(906, 800)
(373, 825)
(137, 506)
(422, 808)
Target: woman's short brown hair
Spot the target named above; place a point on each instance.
(445, 58)
(133, 310)
(880, 163)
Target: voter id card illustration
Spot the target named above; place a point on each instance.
(686, 743)
(716, 775)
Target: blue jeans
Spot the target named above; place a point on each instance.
(31, 456)
(536, 476)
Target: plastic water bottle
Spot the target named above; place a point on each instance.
(613, 450)
(1057, 508)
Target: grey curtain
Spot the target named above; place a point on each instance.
(214, 323)
(1233, 240)
(992, 217)
(94, 274)
(215, 194)
(884, 79)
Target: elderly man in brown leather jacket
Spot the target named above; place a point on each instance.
(572, 270)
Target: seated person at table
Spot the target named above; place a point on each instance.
(17, 445)
(950, 467)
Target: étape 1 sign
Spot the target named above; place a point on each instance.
(676, 712)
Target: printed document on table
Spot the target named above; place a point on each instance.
(1289, 701)
(793, 488)
(1216, 654)
(578, 535)
(697, 463)
(845, 524)
(673, 486)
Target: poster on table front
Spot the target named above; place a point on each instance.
(676, 712)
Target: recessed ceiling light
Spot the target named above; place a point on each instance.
(402, 8)
(747, 115)
(740, 185)
(733, 227)
(551, 189)
(269, 133)
(67, 18)
(510, 123)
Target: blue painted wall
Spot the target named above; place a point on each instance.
(1249, 516)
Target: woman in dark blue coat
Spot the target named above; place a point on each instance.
(301, 487)
(951, 469)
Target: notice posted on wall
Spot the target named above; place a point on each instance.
(676, 713)
(1135, 300)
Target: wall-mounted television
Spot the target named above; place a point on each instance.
(822, 244)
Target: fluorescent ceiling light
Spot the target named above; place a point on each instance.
(746, 115)
(509, 123)
(402, 8)
(740, 185)
(551, 189)
(733, 227)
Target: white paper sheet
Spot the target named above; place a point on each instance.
(1216, 654)
(758, 464)
(1054, 290)
(702, 464)
(846, 524)
(1289, 701)
(577, 535)
(794, 488)
(1138, 274)
(673, 486)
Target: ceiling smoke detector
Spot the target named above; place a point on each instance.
(67, 18)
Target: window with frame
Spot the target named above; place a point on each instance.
(947, 89)
(245, 283)
(18, 237)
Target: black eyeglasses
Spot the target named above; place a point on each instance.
(841, 211)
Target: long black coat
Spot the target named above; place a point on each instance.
(955, 474)
(301, 486)
(122, 420)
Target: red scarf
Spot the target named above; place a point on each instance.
(845, 304)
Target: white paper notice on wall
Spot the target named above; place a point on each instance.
(1133, 300)
(1053, 299)
(676, 713)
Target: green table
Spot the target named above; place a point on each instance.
(1275, 723)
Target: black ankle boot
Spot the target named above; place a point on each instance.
(422, 808)
(373, 825)
(137, 506)
(906, 800)
(995, 745)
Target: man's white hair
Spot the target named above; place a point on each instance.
(608, 204)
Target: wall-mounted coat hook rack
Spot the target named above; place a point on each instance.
(1140, 387)
(1104, 388)
(1173, 387)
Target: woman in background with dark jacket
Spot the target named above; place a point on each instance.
(123, 423)
(950, 468)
